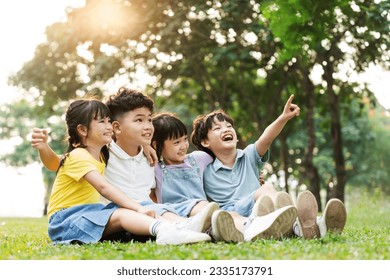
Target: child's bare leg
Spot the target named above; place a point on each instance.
(128, 220)
(198, 207)
(172, 217)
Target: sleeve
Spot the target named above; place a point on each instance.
(254, 156)
(79, 163)
(202, 158)
(157, 182)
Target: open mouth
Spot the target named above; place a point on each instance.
(227, 137)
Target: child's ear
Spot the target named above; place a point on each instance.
(82, 130)
(205, 143)
(154, 144)
(116, 127)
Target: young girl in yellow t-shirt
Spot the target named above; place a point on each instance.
(75, 214)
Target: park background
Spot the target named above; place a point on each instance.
(195, 56)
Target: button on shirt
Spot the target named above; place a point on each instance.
(226, 185)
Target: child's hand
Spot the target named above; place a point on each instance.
(39, 138)
(291, 110)
(151, 155)
(146, 211)
(262, 181)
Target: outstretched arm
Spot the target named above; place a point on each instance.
(48, 157)
(273, 130)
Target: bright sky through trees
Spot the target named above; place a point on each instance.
(22, 27)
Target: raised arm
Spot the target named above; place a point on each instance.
(48, 157)
(273, 130)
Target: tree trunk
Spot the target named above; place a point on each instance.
(284, 158)
(336, 135)
(310, 168)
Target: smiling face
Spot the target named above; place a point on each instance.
(220, 137)
(174, 150)
(99, 132)
(134, 129)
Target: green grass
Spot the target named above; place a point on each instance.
(365, 237)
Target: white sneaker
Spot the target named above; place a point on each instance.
(333, 218)
(263, 206)
(274, 225)
(281, 200)
(201, 221)
(171, 234)
(223, 228)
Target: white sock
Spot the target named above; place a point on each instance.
(322, 225)
(154, 228)
(297, 230)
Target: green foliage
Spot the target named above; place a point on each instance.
(365, 237)
(17, 122)
(370, 157)
(242, 56)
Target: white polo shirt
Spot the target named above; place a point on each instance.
(132, 175)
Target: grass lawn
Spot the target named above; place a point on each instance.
(365, 237)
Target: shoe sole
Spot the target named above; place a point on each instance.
(263, 206)
(335, 215)
(211, 208)
(307, 215)
(281, 225)
(224, 229)
(283, 199)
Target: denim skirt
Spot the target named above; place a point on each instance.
(80, 224)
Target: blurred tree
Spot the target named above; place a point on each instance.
(242, 56)
(340, 38)
(17, 121)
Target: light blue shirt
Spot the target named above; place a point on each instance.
(226, 185)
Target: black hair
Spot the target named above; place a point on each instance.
(83, 111)
(201, 126)
(126, 100)
(166, 126)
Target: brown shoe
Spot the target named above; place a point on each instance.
(335, 215)
(307, 215)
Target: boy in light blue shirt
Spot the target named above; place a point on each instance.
(232, 180)
(234, 188)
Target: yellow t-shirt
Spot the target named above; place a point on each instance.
(70, 188)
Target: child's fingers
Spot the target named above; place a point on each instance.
(289, 101)
(295, 109)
